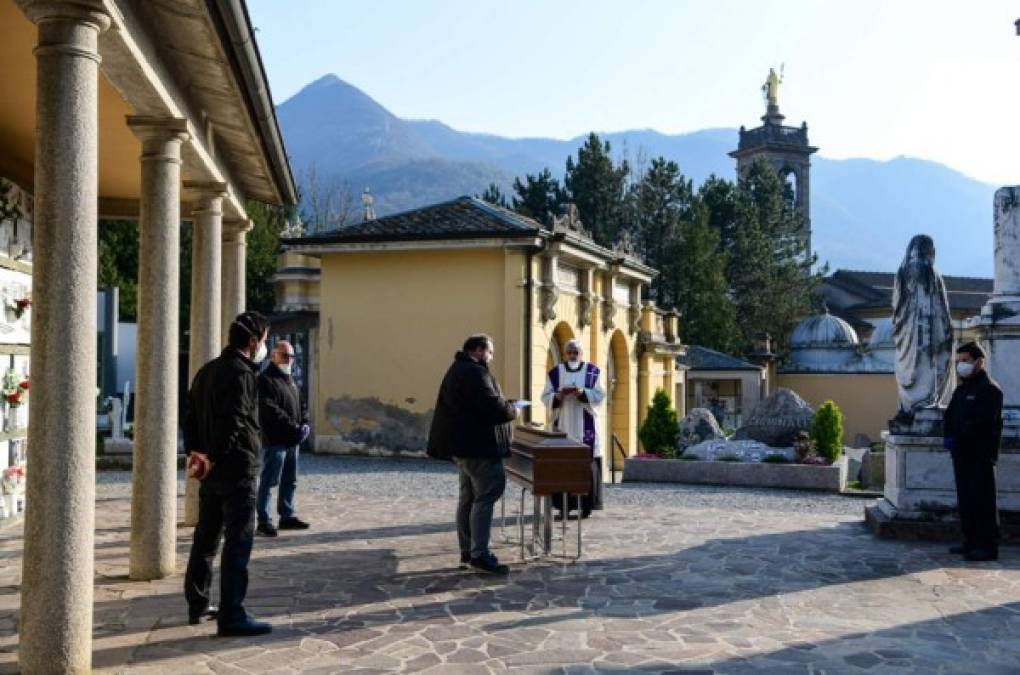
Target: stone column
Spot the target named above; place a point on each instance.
(154, 466)
(206, 284)
(234, 251)
(55, 624)
(1000, 317)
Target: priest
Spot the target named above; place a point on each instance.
(574, 394)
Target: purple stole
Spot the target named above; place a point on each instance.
(591, 376)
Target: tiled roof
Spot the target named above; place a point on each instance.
(460, 218)
(875, 289)
(703, 358)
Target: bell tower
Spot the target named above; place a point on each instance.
(785, 148)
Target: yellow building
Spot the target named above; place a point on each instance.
(397, 296)
(828, 362)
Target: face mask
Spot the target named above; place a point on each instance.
(260, 355)
(574, 363)
(964, 370)
(285, 368)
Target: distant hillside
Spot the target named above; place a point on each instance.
(863, 211)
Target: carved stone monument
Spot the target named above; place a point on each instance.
(923, 333)
(118, 443)
(920, 493)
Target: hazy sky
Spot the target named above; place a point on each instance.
(932, 79)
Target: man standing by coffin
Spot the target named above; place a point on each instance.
(471, 425)
(574, 393)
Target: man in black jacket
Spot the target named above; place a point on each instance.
(221, 432)
(471, 425)
(973, 428)
(284, 429)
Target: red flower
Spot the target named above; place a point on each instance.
(14, 398)
(24, 385)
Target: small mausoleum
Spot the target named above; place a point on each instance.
(396, 296)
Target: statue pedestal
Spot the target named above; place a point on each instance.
(920, 491)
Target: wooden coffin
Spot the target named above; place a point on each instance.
(547, 462)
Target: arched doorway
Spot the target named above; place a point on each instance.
(617, 383)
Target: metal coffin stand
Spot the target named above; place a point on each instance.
(546, 463)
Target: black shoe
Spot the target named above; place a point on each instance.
(465, 560)
(244, 628)
(489, 565)
(960, 549)
(267, 530)
(293, 524)
(209, 613)
(981, 554)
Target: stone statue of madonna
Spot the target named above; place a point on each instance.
(922, 330)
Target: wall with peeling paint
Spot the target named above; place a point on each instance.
(391, 323)
(391, 320)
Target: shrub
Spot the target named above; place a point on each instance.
(775, 458)
(728, 457)
(658, 433)
(827, 431)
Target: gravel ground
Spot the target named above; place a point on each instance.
(385, 477)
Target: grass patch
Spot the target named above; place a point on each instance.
(729, 457)
(775, 458)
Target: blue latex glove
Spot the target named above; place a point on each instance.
(305, 431)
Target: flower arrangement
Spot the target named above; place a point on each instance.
(13, 478)
(15, 389)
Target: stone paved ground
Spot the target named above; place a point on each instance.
(675, 579)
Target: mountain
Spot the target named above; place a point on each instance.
(863, 211)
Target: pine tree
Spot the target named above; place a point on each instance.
(539, 197)
(263, 245)
(769, 276)
(658, 433)
(698, 274)
(659, 202)
(118, 263)
(493, 195)
(597, 186)
(770, 272)
(719, 199)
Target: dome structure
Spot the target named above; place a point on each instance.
(824, 331)
(823, 344)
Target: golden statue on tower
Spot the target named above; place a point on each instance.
(771, 87)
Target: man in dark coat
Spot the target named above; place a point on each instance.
(471, 425)
(973, 428)
(221, 432)
(284, 429)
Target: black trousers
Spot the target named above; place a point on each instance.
(975, 494)
(226, 511)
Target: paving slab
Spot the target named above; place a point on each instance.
(674, 579)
